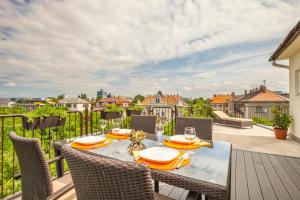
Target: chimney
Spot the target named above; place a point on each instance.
(263, 88)
(246, 92)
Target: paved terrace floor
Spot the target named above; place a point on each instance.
(257, 139)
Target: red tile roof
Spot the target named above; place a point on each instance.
(264, 96)
(221, 99)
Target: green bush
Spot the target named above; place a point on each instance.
(112, 108)
(263, 121)
(135, 107)
(46, 111)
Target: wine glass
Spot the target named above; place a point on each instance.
(103, 125)
(189, 133)
(159, 130)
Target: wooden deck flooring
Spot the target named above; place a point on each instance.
(256, 176)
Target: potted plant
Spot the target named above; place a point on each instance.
(44, 117)
(111, 111)
(281, 122)
(134, 110)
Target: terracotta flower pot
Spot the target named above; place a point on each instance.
(280, 133)
(110, 115)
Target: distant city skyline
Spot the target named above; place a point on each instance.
(191, 48)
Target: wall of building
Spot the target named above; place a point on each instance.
(294, 99)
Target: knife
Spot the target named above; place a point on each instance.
(183, 158)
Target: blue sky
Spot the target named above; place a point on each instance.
(194, 48)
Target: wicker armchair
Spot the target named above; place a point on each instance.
(35, 172)
(104, 178)
(203, 126)
(144, 123)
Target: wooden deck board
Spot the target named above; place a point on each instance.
(253, 185)
(241, 177)
(263, 179)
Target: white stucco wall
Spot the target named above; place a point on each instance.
(294, 99)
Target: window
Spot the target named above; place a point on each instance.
(259, 109)
(297, 82)
(157, 100)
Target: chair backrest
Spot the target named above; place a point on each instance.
(96, 177)
(35, 173)
(221, 114)
(144, 123)
(203, 126)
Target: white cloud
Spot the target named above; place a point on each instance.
(205, 74)
(68, 46)
(164, 79)
(186, 88)
(10, 84)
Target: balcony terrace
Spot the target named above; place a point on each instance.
(262, 167)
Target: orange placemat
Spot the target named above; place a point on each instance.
(85, 147)
(186, 146)
(116, 136)
(165, 166)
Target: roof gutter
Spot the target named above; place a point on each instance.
(280, 65)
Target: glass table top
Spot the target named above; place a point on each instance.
(208, 164)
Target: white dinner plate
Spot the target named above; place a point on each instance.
(159, 154)
(123, 131)
(89, 140)
(182, 140)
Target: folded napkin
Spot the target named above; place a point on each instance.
(197, 144)
(106, 142)
(116, 136)
(162, 166)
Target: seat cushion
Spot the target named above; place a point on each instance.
(162, 197)
(61, 182)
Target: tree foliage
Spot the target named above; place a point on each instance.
(137, 98)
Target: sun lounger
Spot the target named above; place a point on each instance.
(223, 118)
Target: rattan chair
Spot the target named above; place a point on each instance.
(104, 178)
(35, 172)
(144, 123)
(203, 126)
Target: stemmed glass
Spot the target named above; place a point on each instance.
(102, 125)
(159, 129)
(189, 133)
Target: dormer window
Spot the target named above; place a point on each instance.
(157, 100)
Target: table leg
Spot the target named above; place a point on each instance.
(156, 186)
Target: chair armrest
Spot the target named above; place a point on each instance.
(61, 192)
(55, 159)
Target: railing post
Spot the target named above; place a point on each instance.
(86, 121)
(59, 164)
(91, 119)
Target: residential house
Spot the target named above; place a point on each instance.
(289, 50)
(5, 102)
(257, 102)
(152, 103)
(75, 104)
(118, 100)
(221, 102)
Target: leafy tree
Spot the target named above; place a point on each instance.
(137, 98)
(61, 96)
(82, 96)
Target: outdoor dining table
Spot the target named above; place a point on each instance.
(208, 172)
